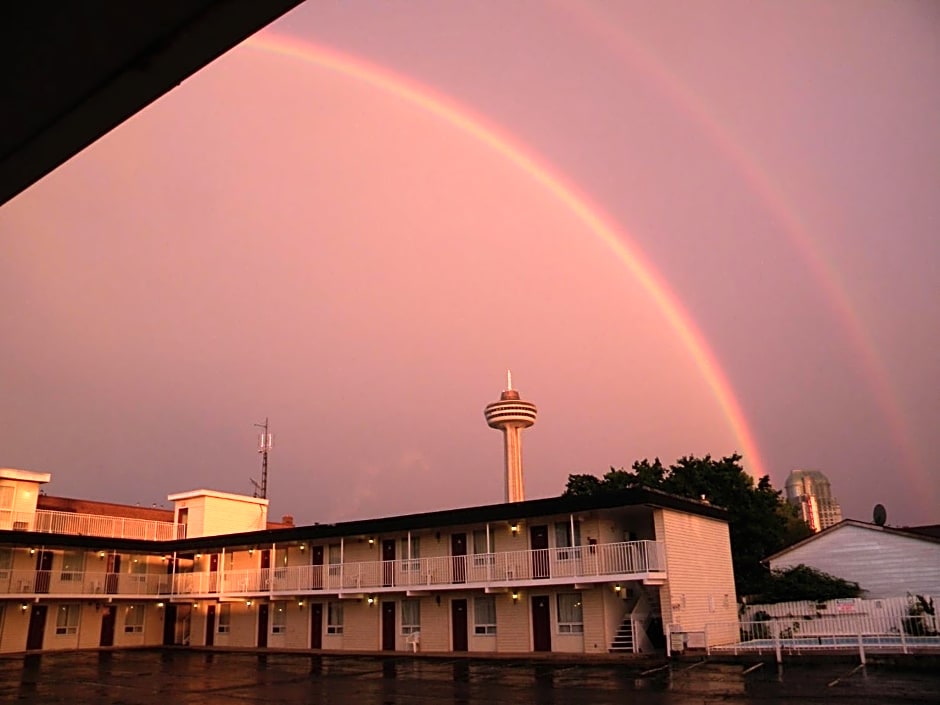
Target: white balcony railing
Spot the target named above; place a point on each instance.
(622, 561)
(57, 582)
(618, 560)
(51, 522)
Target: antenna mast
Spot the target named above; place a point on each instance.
(265, 443)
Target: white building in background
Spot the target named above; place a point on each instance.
(811, 492)
(884, 561)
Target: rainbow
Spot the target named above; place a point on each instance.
(616, 40)
(590, 215)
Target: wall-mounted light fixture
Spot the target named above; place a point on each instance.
(617, 588)
(247, 603)
(24, 606)
(514, 528)
(300, 604)
(32, 551)
(303, 547)
(159, 605)
(100, 555)
(251, 551)
(370, 600)
(371, 541)
(198, 556)
(515, 597)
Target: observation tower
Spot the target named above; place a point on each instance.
(510, 415)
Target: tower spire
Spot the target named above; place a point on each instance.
(508, 380)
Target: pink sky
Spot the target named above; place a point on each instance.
(275, 238)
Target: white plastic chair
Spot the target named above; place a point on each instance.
(413, 639)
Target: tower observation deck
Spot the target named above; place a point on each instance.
(510, 415)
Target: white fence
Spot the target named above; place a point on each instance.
(895, 625)
(75, 524)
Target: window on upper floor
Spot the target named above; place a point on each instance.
(73, 563)
(410, 553)
(66, 619)
(567, 545)
(569, 616)
(335, 557)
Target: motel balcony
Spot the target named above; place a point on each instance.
(52, 522)
(491, 572)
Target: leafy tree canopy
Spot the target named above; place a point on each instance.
(804, 583)
(760, 521)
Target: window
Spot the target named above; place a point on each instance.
(133, 619)
(66, 619)
(334, 618)
(411, 553)
(566, 544)
(6, 562)
(410, 616)
(138, 568)
(73, 563)
(481, 553)
(484, 615)
(6, 507)
(335, 558)
(225, 618)
(570, 620)
(279, 619)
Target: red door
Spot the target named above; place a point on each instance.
(541, 623)
(539, 545)
(458, 620)
(266, 569)
(263, 625)
(43, 570)
(388, 626)
(210, 625)
(111, 576)
(316, 576)
(316, 626)
(388, 562)
(37, 627)
(107, 626)
(458, 552)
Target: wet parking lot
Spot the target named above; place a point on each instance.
(182, 677)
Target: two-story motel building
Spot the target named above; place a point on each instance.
(565, 574)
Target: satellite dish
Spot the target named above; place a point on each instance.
(879, 514)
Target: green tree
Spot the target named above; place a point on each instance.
(760, 521)
(804, 583)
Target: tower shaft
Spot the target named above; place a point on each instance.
(512, 443)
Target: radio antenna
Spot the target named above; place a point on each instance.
(265, 443)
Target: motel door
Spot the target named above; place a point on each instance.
(458, 552)
(316, 575)
(541, 623)
(263, 625)
(388, 562)
(539, 539)
(37, 627)
(43, 570)
(210, 625)
(107, 626)
(458, 619)
(111, 575)
(169, 624)
(316, 625)
(388, 626)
